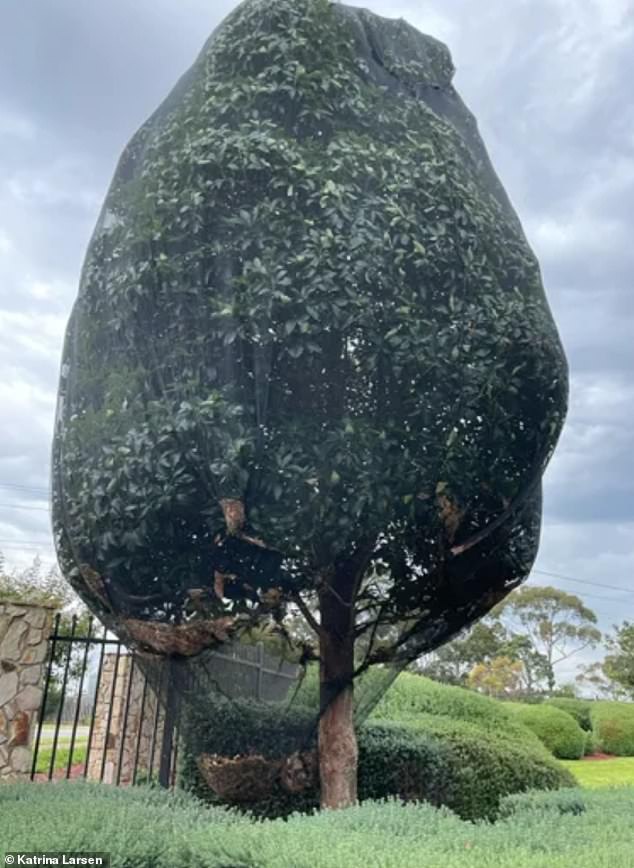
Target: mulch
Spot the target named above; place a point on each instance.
(599, 756)
(76, 771)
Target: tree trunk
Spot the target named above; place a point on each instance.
(338, 753)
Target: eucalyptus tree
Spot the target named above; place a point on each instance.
(618, 666)
(557, 624)
(311, 368)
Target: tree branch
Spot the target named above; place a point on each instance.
(308, 615)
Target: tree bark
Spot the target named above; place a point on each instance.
(338, 752)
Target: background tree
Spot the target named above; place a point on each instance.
(535, 667)
(500, 677)
(618, 665)
(558, 624)
(311, 365)
(487, 640)
(453, 662)
(38, 584)
(592, 678)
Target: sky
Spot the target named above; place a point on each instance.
(550, 84)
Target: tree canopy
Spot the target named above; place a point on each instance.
(308, 296)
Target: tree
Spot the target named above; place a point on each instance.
(558, 624)
(535, 666)
(500, 677)
(453, 662)
(593, 677)
(311, 366)
(489, 639)
(618, 665)
(35, 584)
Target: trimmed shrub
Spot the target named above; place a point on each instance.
(450, 763)
(578, 708)
(593, 745)
(613, 726)
(235, 727)
(480, 767)
(144, 828)
(432, 758)
(414, 694)
(559, 732)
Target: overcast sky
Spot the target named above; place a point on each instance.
(550, 82)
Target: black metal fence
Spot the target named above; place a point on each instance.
(93, 678)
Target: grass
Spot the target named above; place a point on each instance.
(592, 774)
(63, 747)
(61, 757)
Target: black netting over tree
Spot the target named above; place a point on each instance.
(311, 381)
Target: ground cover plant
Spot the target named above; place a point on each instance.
(146, 828)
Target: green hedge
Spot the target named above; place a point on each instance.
(578, 708)
(143, 828)
(559, 732)
(436, 759)
(477, 768)
(613, 726)
(414, 694)
(593, 745)
(235, 727)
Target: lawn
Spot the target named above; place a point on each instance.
(61, 758)
(603, 773)
(64, 737)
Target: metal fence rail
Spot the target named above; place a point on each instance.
(91, 678)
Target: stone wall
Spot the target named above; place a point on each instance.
(24, 632)
(136, 727)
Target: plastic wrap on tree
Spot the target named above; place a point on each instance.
(311, 368)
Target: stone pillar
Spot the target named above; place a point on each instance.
(139, 725)
(24, 632)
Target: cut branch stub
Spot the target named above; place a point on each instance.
(184, 640)
(252, 778)
(234, 513)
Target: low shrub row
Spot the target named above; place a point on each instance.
(571, 728)
(607, 726)
(144, 828)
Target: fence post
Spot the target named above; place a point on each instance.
(169, 723)
(260, 673)
(24, 631)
